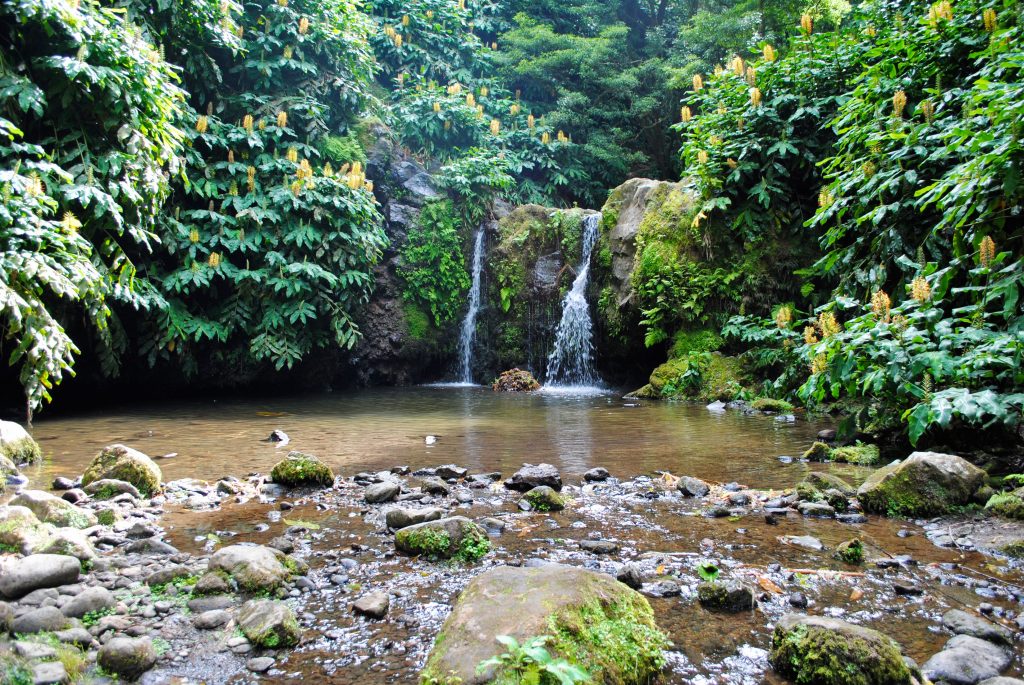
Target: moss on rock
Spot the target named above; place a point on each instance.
(851, 551)
(450, 538)
(17, 445)
(865, 455)
(668, 374)
(543, 498)
(515, 380)
(819, 451)
(923, 484)
(768, 404)
(814, 650)
(302, 469)
(117, 462)
(1008, 504)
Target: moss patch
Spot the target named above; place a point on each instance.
(1008, 504)
(851, 551)
(302, 469)
(118, 462)
(865, 455)
(771, 405)
(685, 342)
(24, 451)
(819, 451)
(431, 542)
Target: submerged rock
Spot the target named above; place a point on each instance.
(449, 538)
(821, 480)
(732, 596)
(302, 469)
(923, 484)
(596, 622)
(268, 623)
(17, 445)
(817, 650)
(117, 462)
(530, 476)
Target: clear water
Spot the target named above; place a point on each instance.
(572, 361)
(468, 333)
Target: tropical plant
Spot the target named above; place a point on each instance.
(433, 266)
(530, 663)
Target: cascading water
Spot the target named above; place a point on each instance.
(572, 362)
(468, 334)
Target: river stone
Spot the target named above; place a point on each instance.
(49, 673)
(211, 583)
(599, 546)
(18, 577)
(805, 541)
(403, 518)
(253, 568)
(923, 484)
(820, 480)
(543, 498)
(17, 445)
(302, 469)
(435, 486)
(260, 664)
(208, 620)
(89, 600)
(818, 650)
(117, 462)
(816, 510)
(963, 623)
(127, 657)
(447, 471)
(692, 487)
(731, 597)
(268, 623)
(382, 492)
(108, 488)
(553, 600)
(51, 509)
(21, 530)
(372, 605)
(596, 475)
(966, 660)
(1002, 680)
(531, 476)
(445, 538)
(41, 620)
(71, 542)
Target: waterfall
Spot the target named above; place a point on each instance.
(468, 334)
(572, 361)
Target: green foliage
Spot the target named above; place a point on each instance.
(87, 134)
(708, 571)
(433, 266)
(474, 546)
(341, 150)
(530, 663)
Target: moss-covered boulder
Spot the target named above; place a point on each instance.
(819, 451)
(252, 568)
(668, 375)
(450, 538)
(923, 484)
(543, 498)
(850, 551)
(706, 377)
(302, 469)
(827, 481)
(1008, 504)
(815, 650)
(865, 455)
(269, 624)
(515, 380)
(594, 622)
(771, 406)
(118, 462)
(21, 531)
(17, 445)
(50, 509)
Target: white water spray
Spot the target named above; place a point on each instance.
(468, 334)
(572, 362)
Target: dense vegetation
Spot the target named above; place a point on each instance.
(185, 184)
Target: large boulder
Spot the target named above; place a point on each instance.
(127, 657)
(17, 445)
(530, 477)
(51, 509)
(923, 484)
(268, 623)
(21, 530)
(302, 469)
(252, 568)
(966, 660)
(117, 462)
(18, 577)
(816, 650)
(595, 621)
(450, 538)
(71, 542)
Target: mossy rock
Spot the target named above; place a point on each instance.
(50, 509)
(827, 481)
(269, 624)
(768, 404)
(302, 469)
(807, 492)
(923, 484)
(21, 531)
(1008, 504)
(1013, 549)
(17, 445)
(865, 455)
(543, 498)
(254, 569)
(515, 380)
(819, 451)
(721, 379)
(593, 621)
(815, 650)
(851, 551)
(455, 537)
(117, 462)
(668, 373)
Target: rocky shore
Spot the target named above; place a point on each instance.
(379, 577)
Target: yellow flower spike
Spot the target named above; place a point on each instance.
(989, 19)
(530, 122)
(193, 235)
(899, 102)
(751, 74)
(261, 125)
(828, 325)
(810, 336)
(303, 26)
(819, 365)
(732, 163)
(871, 31)
(721, 108)
(213, 260)
(784, 316)
(719, 70)
(495, 127)
(202, 124)
(825, 198)
(484, 92)
(293, 155)
(247, 122)
(282, 119)
(328, 169)
(928, 110)
(807, 24)
(231, 156)
(296, 188)
(405, 20)
(869, 169)
(698, 83)
(686, 114)
(755, 97)
(471, 100)
(986, 251)
(515, 109)
(430, 14)
(880, 305)
(398, 40)
(769, 53)
(437, 108)
(738, 66)
(702, 156)
(920, 290)
(70, 223)
(479, 111)
(233, 189)
(462, 5)
(368, 186)
(545, 138)
(494, 46)
(282, 3)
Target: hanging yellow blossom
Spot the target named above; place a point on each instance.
(738, 66)
(368, 186)
(807, 24)
(530, 122)
(810, 336)
(296, 188)
(784, 316)
(940, 10)
(989, 18)
(920, 290)
(231, 156)
(437, 108)
(35, 185)
(202, 124)
(430, 14)
(686, 114)
(825, 198)
(328, 169)
(484, 92)
(702, 156)
(282, 3)
(769, 53)
(405, 20)
(282, 119)
(899, 102)
(928, 109)
(495, 127)
(479, 111)
(819, 364)
(755, 97)
(987, 251)
(250, 176)
(398, 40)
(470, 100)
(303, 26)
(827, 324)
(462, 4)
(247, 122)
(719, 70)
(293, 155)
(213, 260)
(871, 31)
(70, 223)
(193, 235)
(698, 83)
(287, 51)
(881, 305)
(233, 189)
(515, 109)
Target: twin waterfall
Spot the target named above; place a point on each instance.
(572, 361)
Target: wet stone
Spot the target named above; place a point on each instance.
(631, 576)
(662, 588)
(596, 475)
(382, 492)
(259, 664)
(599, 546)
(967, 660)
(963, 623)
(372, 605)
(49, 673)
